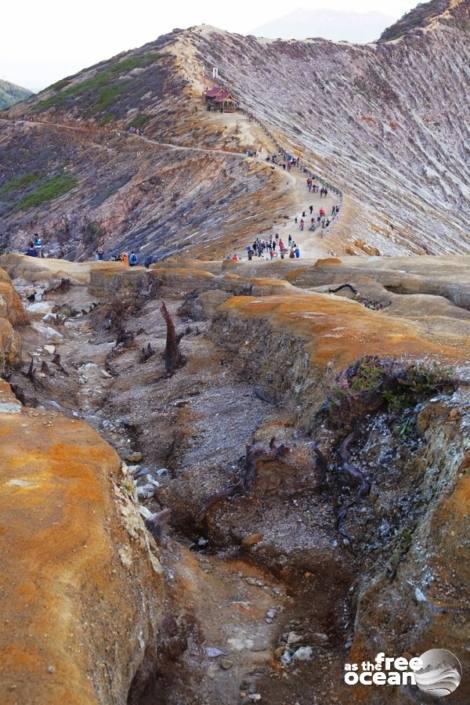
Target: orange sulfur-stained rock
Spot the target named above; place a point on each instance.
(294, 346)
(80, 589)
(12, 314)
(11, 306)
(10, 344)
(335, 330)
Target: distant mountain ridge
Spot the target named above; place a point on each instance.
(357, 27)
(11, 94)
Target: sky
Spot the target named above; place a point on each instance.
(43, 41)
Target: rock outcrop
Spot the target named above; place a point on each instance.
(80, 581)
(302, 474)
(12, 315)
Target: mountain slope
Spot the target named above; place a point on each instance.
(11, 94)
(386, 123)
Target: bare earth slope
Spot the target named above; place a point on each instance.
(385, 122)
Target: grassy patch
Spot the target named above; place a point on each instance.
(396, 386)
(107, 97)
(102, 80)
(368, 376)
(48, 190)
(140, 120)
(18, 182)
(106, 119)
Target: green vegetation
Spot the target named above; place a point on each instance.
(140, 120)
(372, 384)
(106, 119)
(101, 81)
(18, 182)
(107, 97)
(368, 376)
(48, 190)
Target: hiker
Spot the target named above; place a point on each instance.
(297, 252)
(125, 258)
(292, 253)
(38, 246)
(302, 223)
(303, 214)
(310, 209)
(148, 261)
(250, 254)
(31, 251)
(289, 240)
(322, 213)
(132, 259)
(99, 254)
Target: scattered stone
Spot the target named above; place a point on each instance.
(419, 595)
(50, 349)
(305, 653)
(270, 615)
(226, 664)
(145, 491)
(321, 638)
(286, 658)
(214, 652)
(135, 457)
(252, 539)
(259, 644)
(293, 638)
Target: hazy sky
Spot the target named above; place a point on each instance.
(45, 40)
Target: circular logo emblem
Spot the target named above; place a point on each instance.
(440, 674)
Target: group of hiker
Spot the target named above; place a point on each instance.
(288, 162)
(274, 247)
(131, 259)
(314, 188)
(261, 248)
(321, 219)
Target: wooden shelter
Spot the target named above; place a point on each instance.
(220, 99)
